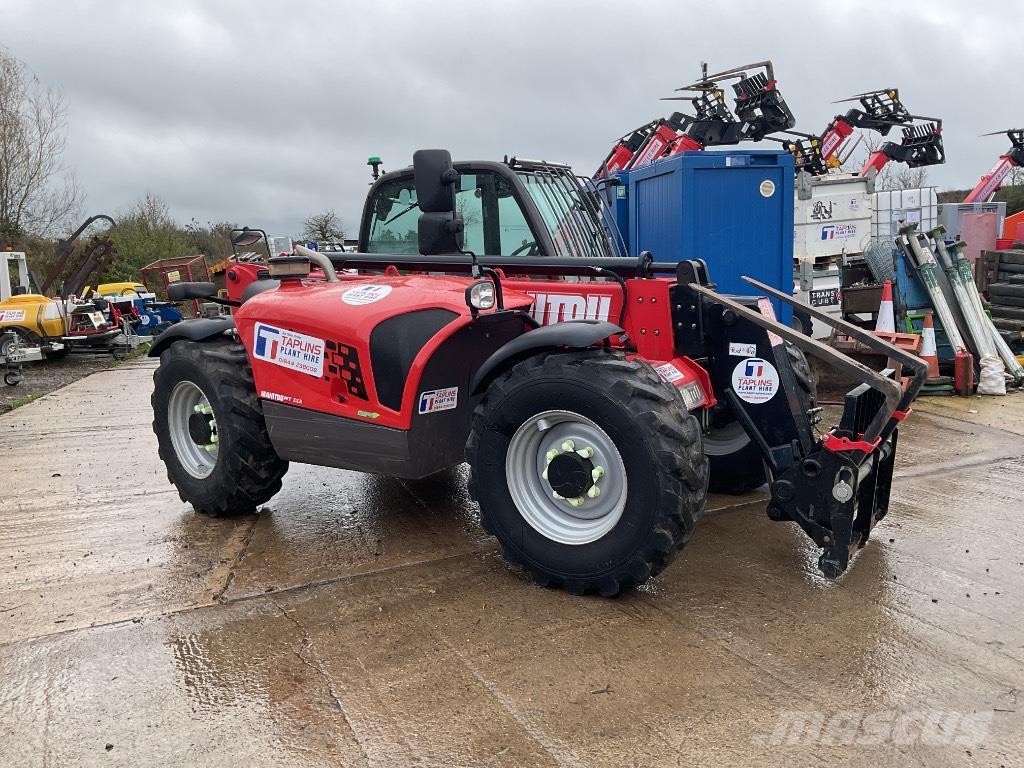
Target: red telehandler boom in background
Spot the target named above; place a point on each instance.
(990, 183)
(759, 110)
(880, 111)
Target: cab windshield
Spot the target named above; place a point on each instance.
(494, 220)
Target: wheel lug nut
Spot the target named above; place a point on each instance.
(586, 453)
(568, 445)
(557, 496)
(596, 473)
(544, 474)
(551, 454)
(594, 492)
(576, 501)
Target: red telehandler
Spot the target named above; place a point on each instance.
(880, 111)
(990, 183)
(577, 385)
(759, 111)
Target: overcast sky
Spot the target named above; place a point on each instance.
(260, 113)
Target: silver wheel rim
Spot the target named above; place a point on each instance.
(557, 518)
(197, 460)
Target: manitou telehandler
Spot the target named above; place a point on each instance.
(880, 111)
(992, 181)
(759, 110)
(486, 320)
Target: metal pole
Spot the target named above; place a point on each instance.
(926, 269)
(967, 274)
(979, 335)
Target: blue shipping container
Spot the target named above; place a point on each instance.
(733, 209)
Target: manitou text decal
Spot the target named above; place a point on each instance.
(365, 294)
(439, 400)
(838, 231)
(289, 349)
(755, 380)
(551, 308)
(279, 398)
(11, 315)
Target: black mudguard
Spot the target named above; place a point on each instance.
(198, 329)
(577, 334)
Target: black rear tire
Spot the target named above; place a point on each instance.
(246, 471)
(736, 464)
(658, 445)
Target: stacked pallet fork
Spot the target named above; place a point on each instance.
(1001, 276)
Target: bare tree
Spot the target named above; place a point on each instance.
(38, 195)
(323, 227)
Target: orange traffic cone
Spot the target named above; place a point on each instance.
(886, 322)
(928, 351)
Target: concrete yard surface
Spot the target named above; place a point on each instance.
(365, 621)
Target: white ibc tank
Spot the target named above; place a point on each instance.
(896, 207)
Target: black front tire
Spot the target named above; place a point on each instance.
(247, 472)
(656, 438)
(736, 464)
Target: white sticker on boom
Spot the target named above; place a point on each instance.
(743, 350)
(755, 380)
(668, 372)
(365, 294)
(11, 315)
(439, 400)
(289, 349)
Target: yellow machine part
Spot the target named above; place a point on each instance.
(31, 312)
(120, 289)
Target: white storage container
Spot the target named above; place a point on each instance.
(832, 218)
(896, 207)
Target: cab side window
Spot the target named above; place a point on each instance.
(494, 221)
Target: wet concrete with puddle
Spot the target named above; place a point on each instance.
(364, 621)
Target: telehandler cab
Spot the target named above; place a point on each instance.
(486, 320)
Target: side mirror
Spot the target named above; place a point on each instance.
(440, 234)
(435, 179)
(440, 227)
(183, 291)
(246, 237)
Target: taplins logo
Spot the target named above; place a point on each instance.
(838, 231)
(439, 400)
(267, 339)
(755, 380)
(289, 349)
